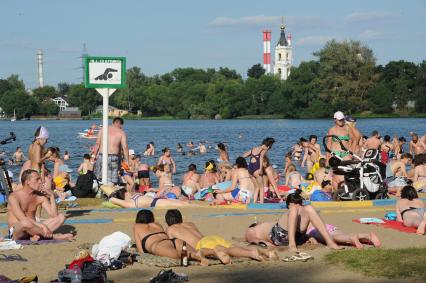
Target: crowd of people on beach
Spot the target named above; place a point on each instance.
(251, 178)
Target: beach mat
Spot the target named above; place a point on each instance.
(166, 262)
(39, 242)
(392, 224)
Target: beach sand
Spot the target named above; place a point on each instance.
(47, 260)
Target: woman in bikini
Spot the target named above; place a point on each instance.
(166, 159)
(190, 181)
(297, 151)
(124, 199)
(255, 166)
(56, 159)
(419, 179)
(210, 176)
(166, 188)
(410, 210)
(242, 188)
(150, 238)
(312, 153)
(150, 149)
(343, 132)
(37, 155)
(223, 153)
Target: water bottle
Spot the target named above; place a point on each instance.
(75, 274)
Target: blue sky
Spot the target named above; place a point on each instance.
(159, 36)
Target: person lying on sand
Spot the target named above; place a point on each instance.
(410, 210)
(150, 238)
(23, 205)
(291, 228)
(137, 200)
(357, 240)
(210, 245)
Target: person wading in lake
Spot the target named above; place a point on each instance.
(117, 143)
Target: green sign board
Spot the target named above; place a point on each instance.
(105, 72)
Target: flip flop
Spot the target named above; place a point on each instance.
(299, 256)
(305, 256)
(12, 257)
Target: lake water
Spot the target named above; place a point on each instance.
(64, 134)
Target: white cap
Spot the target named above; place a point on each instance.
(131, 152)
(339, 115)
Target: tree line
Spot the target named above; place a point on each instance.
(344, 76)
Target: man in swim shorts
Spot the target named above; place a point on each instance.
(22, 207)
(209, 245)
(117, 143)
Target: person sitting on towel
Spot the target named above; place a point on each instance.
(290, 229)
(22, 207)
(410, 210)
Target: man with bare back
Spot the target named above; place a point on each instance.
(22, 207)
(117, 144)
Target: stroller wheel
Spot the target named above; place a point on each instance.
(360, 194)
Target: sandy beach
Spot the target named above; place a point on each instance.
(47, 260)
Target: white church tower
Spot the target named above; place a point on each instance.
(283, 55)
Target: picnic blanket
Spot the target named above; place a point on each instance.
(392, 224)
(166, 262)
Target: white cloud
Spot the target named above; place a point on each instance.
(264, 20)
(371, 34)
(313, 40)
(373, 16)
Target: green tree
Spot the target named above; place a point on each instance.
(380, 98)
(345, 75)
(400, 78)
(420, 88)
(45, 94)
(19, 101)
(256, 71)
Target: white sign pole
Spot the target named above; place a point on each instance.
(106, 93)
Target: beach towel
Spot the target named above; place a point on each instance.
(391, 224)
(9, 245)
(166, 262)
(39, 242)
(110, 247)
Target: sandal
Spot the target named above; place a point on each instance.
(299, 256)
(12, 257)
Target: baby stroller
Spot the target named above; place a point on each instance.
(363, 177)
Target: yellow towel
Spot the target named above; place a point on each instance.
(210, 242)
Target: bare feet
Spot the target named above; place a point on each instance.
(292, 249)
(35, 238)
(64, 237)
(255, 254)
(375, 240)
(272, 255)
(356, 242)
(334, 246)
(421, 229)
(267, 254)
(222, 255)
(203, 260)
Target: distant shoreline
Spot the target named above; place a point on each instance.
(247, 117)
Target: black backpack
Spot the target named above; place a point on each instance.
(92, 272)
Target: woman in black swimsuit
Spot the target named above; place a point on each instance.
(410, 210)
(151, 238)
(255, 165)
